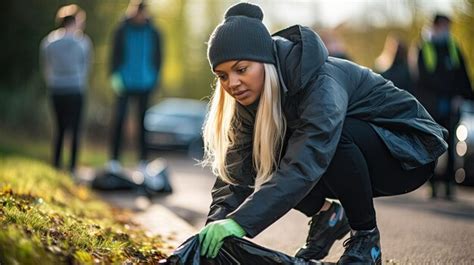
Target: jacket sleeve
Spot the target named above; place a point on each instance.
(158, 51)
(117, 49)
(310, 149)
(423, 80)
(88, 55)
(227, 197)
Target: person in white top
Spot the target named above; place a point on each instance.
(65, 57)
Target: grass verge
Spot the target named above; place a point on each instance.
(45, 217)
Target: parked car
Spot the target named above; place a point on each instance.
(464, 145)
(176, 123)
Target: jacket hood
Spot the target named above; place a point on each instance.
(300, 53)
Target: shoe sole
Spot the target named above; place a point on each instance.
(340, 234)
(378, 262)
(360, 263)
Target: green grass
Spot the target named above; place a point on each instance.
(45, 216)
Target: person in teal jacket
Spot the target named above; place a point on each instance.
(136, 67)
(290, 127)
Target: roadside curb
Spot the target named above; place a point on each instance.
(158, 220)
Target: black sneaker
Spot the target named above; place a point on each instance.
(362, 248)
(325, 228)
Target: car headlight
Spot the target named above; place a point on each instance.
(461, 132)
(461, 148)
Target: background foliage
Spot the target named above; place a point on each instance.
(186, 25)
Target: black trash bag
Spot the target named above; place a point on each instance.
(234, 251)
(107, 180)
(156, 177)
(153, 178)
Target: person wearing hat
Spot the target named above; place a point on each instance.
(290, 127)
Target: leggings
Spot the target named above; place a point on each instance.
(67, 110)
(362, 169)
(121, 110)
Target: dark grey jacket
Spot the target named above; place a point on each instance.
(319, 92)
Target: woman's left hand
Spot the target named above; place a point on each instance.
(213, 234)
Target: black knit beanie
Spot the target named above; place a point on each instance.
(241, 36)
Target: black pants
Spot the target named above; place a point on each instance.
(121, 110)
(67, 109)
(448, 121)
(362, 168)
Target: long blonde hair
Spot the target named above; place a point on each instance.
(269, 130)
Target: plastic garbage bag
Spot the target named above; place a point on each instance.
(151, 179)
(234, 251)
(108, 180)
(155, 175)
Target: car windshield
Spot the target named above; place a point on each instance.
(181, 107)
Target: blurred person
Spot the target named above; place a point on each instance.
(290, 127)
(334, 44)
(136, 66)
(392, 63)
(65, 56)
(443, 79)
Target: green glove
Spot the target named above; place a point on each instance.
(116, 83)
(213, 234)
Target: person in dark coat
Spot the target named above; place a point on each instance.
(136, 68)
(392, 63)
(443, 80)
(290, 127)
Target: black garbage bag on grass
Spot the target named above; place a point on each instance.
(234, 251)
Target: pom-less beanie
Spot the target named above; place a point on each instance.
(241, 36)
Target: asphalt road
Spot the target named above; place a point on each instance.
(414, 229)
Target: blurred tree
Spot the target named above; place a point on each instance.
(23, 23)
(199, 77)
(463, 31)
(23, 99)
(186, 25)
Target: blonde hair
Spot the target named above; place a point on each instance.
(269, 130)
